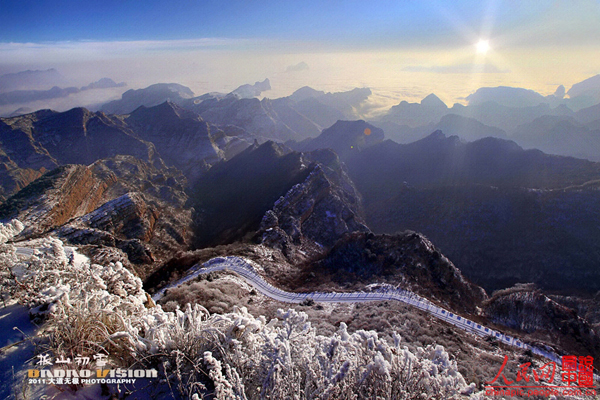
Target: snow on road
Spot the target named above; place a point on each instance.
(243, 268)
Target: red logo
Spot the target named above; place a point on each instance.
(577, 375)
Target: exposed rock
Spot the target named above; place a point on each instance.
(133, 175)
(56, 197)
(46, 139)
(128, 216)
(121, 202)
(316, 212)
(408, 259)
(166, 134)
(18, 141)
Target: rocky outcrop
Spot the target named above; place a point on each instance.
(128, 215)
(43, 140)
(13, 178)
(408, 259)
(56, 197)
(167, 134)
(133, 175)
(125, 223)
(316, 212)
(122, 202)
(19, 144)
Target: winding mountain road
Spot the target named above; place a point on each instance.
(245, 270)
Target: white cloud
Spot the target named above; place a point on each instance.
(98, 49)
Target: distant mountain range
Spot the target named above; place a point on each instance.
(30, 96)
(531, 120)
(303, 114)
(35, 143)
(31, 80)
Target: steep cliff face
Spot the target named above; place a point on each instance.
(126, 223)
(56, 197)
(316, 212)
(79, 136)
(18, 141)
(133, 175)
(121, 203)
(13, 178)
(128, 215)
(35, 143)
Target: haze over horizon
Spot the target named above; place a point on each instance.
(401, 50)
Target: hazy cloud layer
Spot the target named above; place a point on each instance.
(458, 69)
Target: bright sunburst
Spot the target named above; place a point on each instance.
(483, 46)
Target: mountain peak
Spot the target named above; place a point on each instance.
(344, 137)
(432, 100)
(306, 92)
(250, 91)
(436, 135)
(151, 96)
(166, 111)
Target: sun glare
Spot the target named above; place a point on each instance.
(483, 46)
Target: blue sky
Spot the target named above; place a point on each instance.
(338, 23)
(25, 21)
(405, 48)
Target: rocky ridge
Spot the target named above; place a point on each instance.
(316, 212)
(121, 205)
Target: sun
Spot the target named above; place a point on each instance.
(483, 46)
